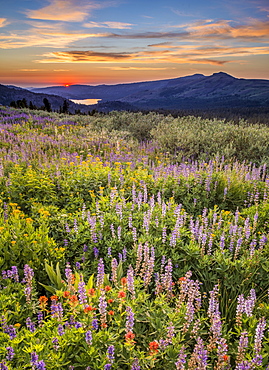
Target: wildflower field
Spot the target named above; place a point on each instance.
(133, 242)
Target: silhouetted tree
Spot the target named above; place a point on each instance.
(47, 105)
(64, 108)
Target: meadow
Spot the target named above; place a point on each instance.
(133, 241)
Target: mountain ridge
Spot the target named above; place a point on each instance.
(193, 91)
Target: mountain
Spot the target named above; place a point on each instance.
(14, 93)
(219, 90)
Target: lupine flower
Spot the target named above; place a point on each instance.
(259, 335)
(3, 366)
(88, 337)
(55, 343)
(95, 324)
(181, 359)
(10, 353)
(102, 307)
(129, 319)
(28, 276)
(243, 344)
(130, 281)
(110, 353)
(60, 330)
(135, 365)
(82, 296)
(100, 273)
(30, 325)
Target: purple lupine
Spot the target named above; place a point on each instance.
(34, 358)
(95, 324)
(119, 233)
(107, 367)
(166, 278)
(181, 360)
(135, 365)
(82, 295)
(214, 314)
(164, 235)
(200, 354)
(28, 277)
(3, 366)
(40, 318)
(10, 330)
(95, 252)
(75, 226)
(78, 266)
(10, 353)
(102, 307)
(15, 274)
(111, 354)
(40, 365)
(259, 333)
(56, 310)
(30, 325)
(242, 345)
(134, 233)
(100, 274)
(170, 333)
(129, 319)
(124, 254)
(130, 281)
(69, 276)
(60, 330)
(262, 241)
(88, 337)
(55, 342)
(114, 267)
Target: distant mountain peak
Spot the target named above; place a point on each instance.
(222, 74)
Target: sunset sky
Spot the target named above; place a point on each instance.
(58, 42)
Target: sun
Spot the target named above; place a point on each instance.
(66, 85)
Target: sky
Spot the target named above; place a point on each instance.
(63, 42)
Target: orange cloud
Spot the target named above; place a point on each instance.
(84, 56)
(64, 10)
(3, 22)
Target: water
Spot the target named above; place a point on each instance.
(86, 101)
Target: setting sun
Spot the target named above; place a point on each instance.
(66, 85)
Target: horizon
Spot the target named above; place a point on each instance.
(122, 83)
(77, 42)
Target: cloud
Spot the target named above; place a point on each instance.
(3, 22)
(119, 68)
(30, 70)
(65, 10)
(84, 56)
(43, 38)
(117, 25)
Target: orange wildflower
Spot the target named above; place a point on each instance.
(111, 313)
(129, 337)
(43, 302)
(91, 291)
(88, 309)
(121, 294)
(110, 300)
(66, 294)
(107, 288)
(123, 281)
(153, 347)
(54, 298)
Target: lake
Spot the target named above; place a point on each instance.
(86, 101)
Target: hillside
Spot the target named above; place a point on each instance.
(14, 93)
(189, 92)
